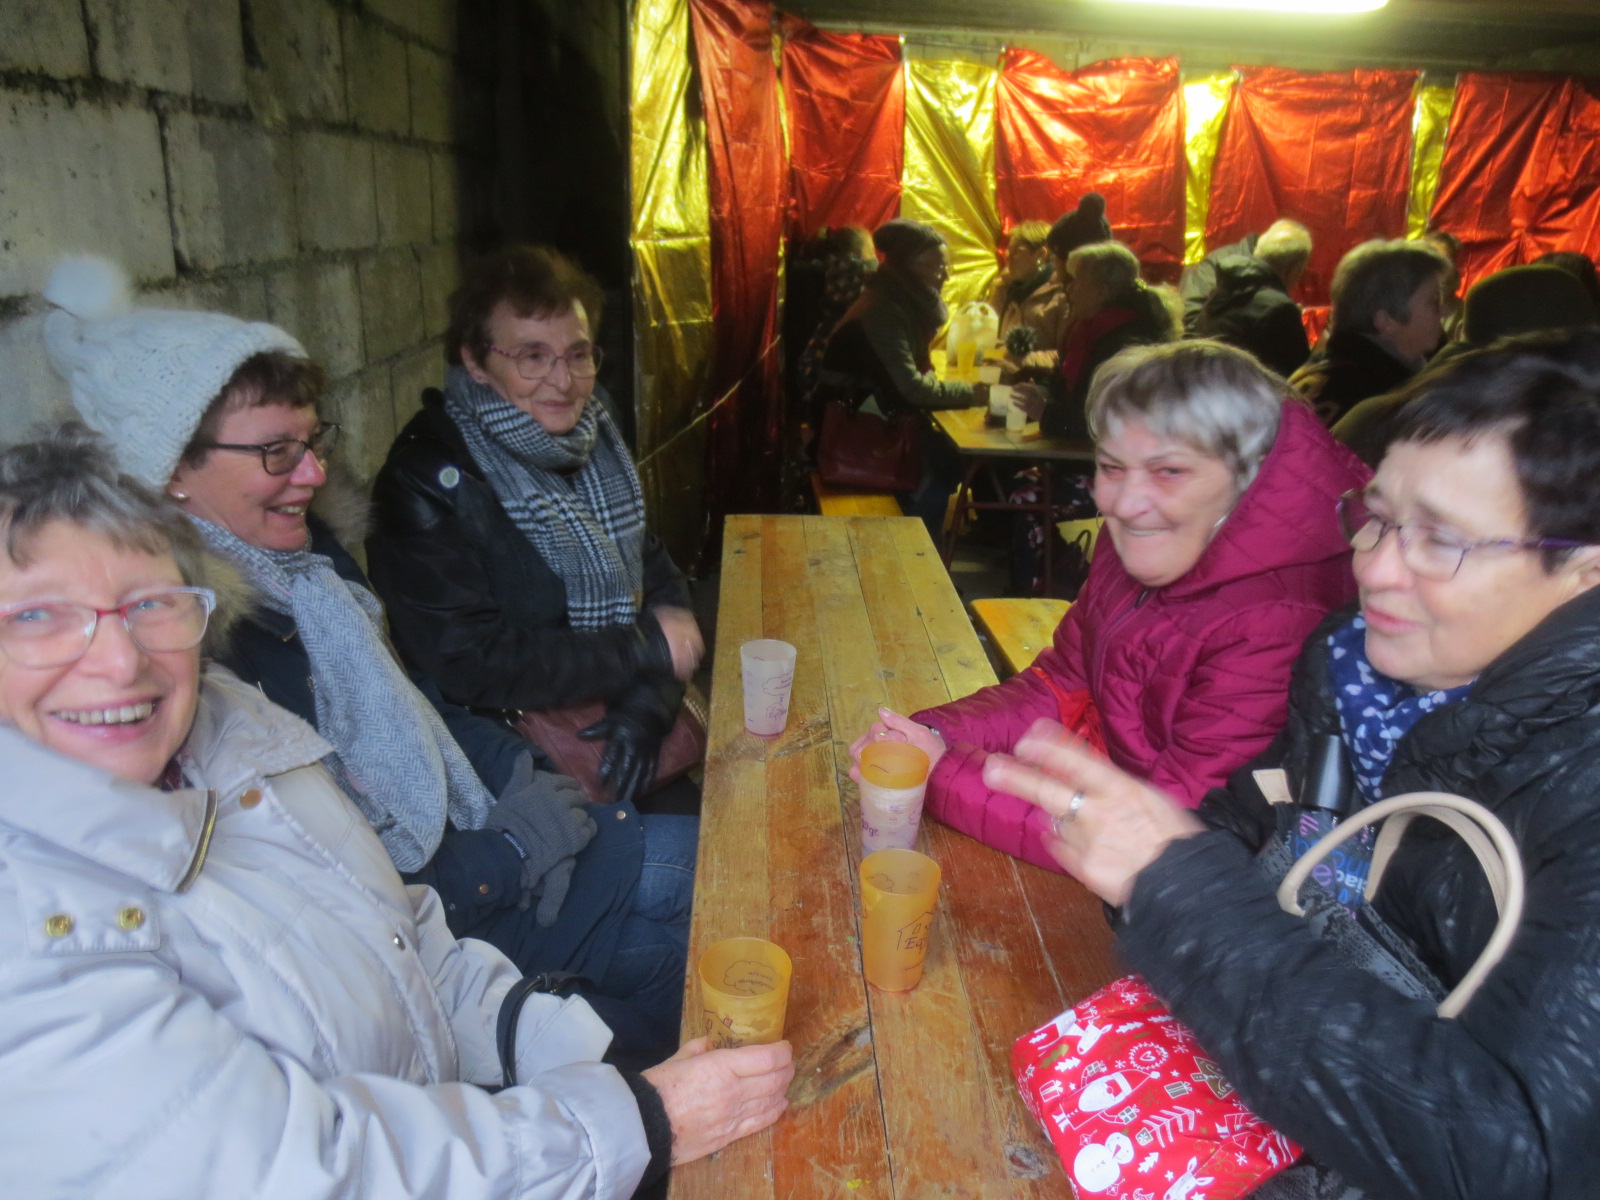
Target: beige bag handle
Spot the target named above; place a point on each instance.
(1488, 838)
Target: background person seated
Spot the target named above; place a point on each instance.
(1283, 238)
(1250, 305)
(215, 983)
(1220, 553)
(1028, 294)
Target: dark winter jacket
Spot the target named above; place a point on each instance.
(1134, 318)
(474, 604)
(880, 349)
(475, 871)
(1199, 279)
(1503, 1101)
(1249, 309)
(1355, 366)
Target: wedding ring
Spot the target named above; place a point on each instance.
(1060, 819)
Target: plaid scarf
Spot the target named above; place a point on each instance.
(576, 497)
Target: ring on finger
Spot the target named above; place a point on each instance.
(1060, 819)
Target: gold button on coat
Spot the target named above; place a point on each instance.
(251, 798)
(58, 925)
(131, 918)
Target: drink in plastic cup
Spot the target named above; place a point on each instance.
(768, 679)
(966, 359)
(1016, 419)
(999, 402)
(894, 776)
(899, 892)
(989, 374)
(744, 990)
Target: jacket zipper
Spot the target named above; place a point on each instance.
(1100, 644)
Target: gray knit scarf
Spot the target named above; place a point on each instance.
(392, 753)
(575, 497)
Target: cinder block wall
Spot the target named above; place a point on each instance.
(289, 160)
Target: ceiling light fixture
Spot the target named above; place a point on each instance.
(1289, 6)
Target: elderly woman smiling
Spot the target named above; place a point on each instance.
(215, 983)
(1222, 554)
(1472, 666)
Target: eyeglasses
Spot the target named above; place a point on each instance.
(535, 362)
(53, 634)
(282, 457)
(1424, 549)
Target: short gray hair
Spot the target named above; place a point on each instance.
(1213, 397)
(1112, 263)
(69, 475)
(1285, 247)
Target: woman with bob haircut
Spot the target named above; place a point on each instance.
(215, 983)
(1220, 553)
(1472, 666)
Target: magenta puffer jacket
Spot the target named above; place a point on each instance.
(1190, 679)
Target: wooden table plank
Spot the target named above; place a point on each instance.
(969, 432)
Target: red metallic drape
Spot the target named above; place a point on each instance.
(1331, 150)
(847, 105)
(1115, 128)
(744, 137)
(1521, 170)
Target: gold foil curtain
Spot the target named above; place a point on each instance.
(948, 177)
(1205, 107)
(671, 240)
(1428, 128)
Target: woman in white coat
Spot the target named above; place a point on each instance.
(214, 982)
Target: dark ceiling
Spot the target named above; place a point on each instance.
(1420, 32)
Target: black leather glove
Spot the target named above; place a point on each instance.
(633, 729)
(546, 819)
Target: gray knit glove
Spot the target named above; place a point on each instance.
(546, 819)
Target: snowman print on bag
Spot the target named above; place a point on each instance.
(1097, 1168)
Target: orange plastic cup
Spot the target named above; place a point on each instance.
(744, 989)
(899, 893)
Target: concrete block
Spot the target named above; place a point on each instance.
(242, 296)
(302, 58)
(79, 178)
(434, 21)
(391, 303)
(375, 77)
(232, 192)
(334, 198)
(441, 274)
(320, 303)
(363, 405)
(405, 194)
(45, 36)
(191, 47)
(409, 374)
(432, 95)
(32, 395)
(446, 205)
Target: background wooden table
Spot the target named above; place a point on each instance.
(906, 1095)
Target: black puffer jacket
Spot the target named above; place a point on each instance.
(1250, 309)
(1503, 1102)
(472, 602)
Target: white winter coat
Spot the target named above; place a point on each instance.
(207, 995)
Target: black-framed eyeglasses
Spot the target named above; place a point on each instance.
(283, 456)
(534, 362)
(1425, 549)
(49, 633)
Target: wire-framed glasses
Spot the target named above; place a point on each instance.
(534, 362)
(283, 456)
(50, 633)
(1426, 550)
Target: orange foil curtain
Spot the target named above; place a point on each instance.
(1521, 170)
(846, 94)
(1330, 149)
(744, 137)
(1115, 128)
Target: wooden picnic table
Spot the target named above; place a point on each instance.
(896, 1095)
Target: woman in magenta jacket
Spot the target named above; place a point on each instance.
(1223, 554)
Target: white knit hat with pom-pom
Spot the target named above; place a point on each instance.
(143, 376)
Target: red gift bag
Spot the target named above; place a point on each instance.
(1134, 1107)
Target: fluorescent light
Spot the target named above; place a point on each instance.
(1290, 6)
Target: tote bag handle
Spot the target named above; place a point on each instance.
(1488, 838)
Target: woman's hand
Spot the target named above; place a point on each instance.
(714, 1097)
(1108, 825)
(1030, 398)
(892, 727)
(683, 637)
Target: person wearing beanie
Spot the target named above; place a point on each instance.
(222, 415)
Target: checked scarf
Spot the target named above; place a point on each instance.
(392, 755)
(575, 497)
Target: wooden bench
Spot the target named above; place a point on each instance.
(834, 503)
(1019, 628)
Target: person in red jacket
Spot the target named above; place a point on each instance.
(1223, 553)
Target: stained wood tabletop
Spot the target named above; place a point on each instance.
(896, 1095)
(971, 434)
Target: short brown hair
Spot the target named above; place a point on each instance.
(1032, 234)
(535, 281)
(270, 377)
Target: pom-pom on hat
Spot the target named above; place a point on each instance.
(143, 377)
(1083, 226)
